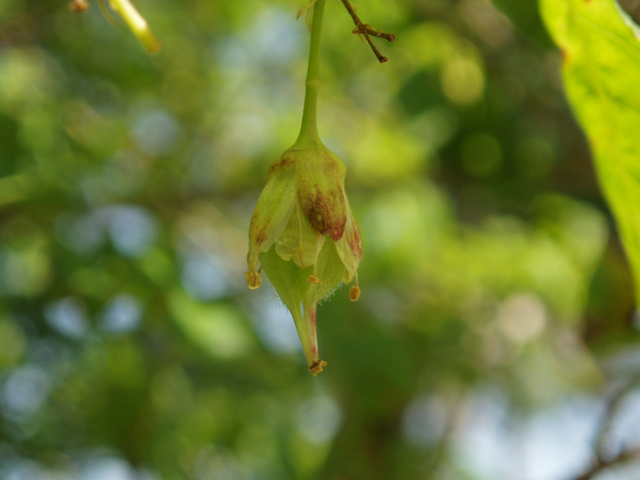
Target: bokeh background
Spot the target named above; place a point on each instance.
(495, 337)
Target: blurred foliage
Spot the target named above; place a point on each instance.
(496, 302)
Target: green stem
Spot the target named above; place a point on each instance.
(137, 24)
(309, 129)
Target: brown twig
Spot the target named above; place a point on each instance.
(367, 30)
(601, 461)
(381, 58)
(600, 464)
(351, 11)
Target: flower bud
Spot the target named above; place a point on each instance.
(304, 236)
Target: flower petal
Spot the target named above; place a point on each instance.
(349, 247)
(301, 296)
(299, 241)
(320, 177)
(273, 210)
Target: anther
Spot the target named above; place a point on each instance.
(254, 280)
(316, 368)
(354, 293)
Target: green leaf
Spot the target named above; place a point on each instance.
(601, 67)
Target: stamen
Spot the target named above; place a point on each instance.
(316, 368)
(254, 280)
(354, 293)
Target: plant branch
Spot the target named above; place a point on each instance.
(601, 461)
(381, 58)
(623, 457)
(367, 30)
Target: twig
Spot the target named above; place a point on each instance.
(601, 462)
(367, 30)
(623, 457)
(381, 58)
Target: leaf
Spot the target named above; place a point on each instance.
(601, 69)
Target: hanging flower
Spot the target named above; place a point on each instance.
(304, 236)
(302, 232)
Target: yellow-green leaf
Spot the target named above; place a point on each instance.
(601, 68)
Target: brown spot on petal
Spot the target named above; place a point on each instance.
(283, 162)
(313, 210)
(314, 279)
(337, 231)
(261, 237)
(323, 220)
(355, 241)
